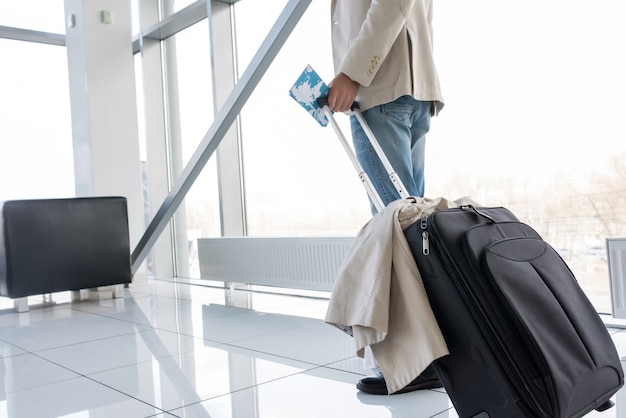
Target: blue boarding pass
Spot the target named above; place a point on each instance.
(306, 90)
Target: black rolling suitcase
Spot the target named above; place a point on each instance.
(524, 339)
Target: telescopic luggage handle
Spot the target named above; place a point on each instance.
(322, 102)
(367, 183)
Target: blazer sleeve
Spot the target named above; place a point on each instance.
(368, 50)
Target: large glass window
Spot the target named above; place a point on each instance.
(36, 155)
(43, 16)
(533, 120)
(299, 180)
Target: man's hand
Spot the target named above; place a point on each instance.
(342, 93)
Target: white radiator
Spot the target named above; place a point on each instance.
(296, 263)
(616, 251)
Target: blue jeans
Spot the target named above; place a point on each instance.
(400, 127)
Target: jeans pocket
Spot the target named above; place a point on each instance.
(400, 109)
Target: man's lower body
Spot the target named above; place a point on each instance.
(400, 127)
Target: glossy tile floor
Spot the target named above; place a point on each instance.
(187, 350)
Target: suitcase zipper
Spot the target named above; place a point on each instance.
(425, 242)
(424, 226)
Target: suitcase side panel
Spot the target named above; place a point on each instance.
(558, 322)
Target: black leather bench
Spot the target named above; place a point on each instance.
(54, 245)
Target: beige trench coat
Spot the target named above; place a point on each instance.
(379, 298)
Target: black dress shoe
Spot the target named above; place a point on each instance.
(377, 385)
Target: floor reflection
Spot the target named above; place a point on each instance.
(180, 349)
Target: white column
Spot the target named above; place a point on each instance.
(103, 103)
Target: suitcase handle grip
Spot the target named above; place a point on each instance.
(478, 212)
(323, 101)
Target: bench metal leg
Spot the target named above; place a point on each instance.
(118, 291)
(21, 304)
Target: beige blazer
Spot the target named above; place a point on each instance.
(387, 47)
(379, 298)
